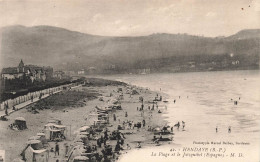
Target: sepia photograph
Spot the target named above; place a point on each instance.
(129, 81)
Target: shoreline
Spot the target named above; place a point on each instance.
(129, 105)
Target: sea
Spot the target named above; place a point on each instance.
(205, 102)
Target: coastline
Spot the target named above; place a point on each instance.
(74, 117)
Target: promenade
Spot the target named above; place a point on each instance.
(22, 101)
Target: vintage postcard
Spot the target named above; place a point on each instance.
(129, 80)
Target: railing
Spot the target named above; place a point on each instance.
(32, 95)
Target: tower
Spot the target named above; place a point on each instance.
(21, 66)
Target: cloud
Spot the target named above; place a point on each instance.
(211, 14)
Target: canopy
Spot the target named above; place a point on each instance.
(40, 134)
(81, 158)
(84, 128)
(39, 151)
(59, 126)
(55, 130)
(34, 138)
(99, 120)
(54, 120)
(20, 118)
(33, 142)
(50, 125)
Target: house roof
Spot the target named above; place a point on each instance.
(10, 70)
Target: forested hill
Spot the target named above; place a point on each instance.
(70, 50)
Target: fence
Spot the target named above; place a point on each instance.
(33, 95)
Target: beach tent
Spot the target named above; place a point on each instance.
(134, 92)
(42, 138)
(18, 160)
(33, 155)
(55, 121)
(20, 122)
(52, 134)
(49, 126)
(52, 131)
(84, 129)
(35, 144)
(76, 151)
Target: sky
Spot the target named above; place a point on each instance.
(135, 17)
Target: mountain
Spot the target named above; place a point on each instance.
(70, 50)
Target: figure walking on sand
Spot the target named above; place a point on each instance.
(183, 125)
(177, 125)
(114, 117)
(57, 149)
(229, 129)
(216, 129)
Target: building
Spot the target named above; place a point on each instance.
(58, 74)
(33, 72)
(81, 72)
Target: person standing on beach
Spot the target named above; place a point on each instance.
(126, 115)
(216, 129)
(229, 129)
(114, 117)
(183, 125)
(174, 101)
(57, 149)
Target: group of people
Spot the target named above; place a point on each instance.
(178, 125)
(229, 129)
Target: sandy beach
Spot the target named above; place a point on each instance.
(74, 116)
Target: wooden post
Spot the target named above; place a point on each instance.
(70, 131)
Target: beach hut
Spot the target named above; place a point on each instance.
(84, 129)
(134, 92)
(76, 151)
(35, 144)
(42, 138)
(54, 132)
(30, 154)
(18, 160)
(55, 121)
(49, 126)
(20, 123)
